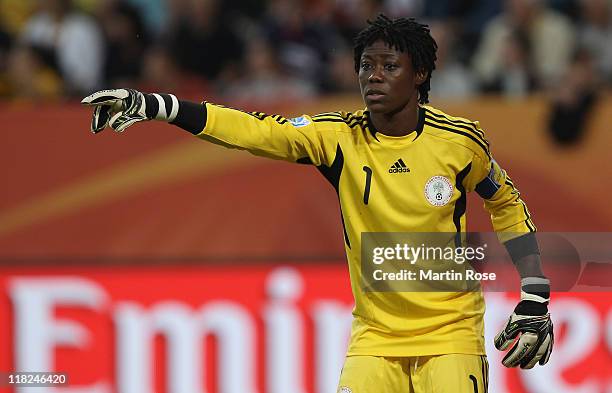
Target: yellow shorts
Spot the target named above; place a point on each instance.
(452, 373)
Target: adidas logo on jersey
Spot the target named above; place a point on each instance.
(399, 167)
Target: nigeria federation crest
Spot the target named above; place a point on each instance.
(438, 190)
(299, 121)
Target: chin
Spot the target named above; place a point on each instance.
(376, 107)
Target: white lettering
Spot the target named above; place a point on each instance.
(284, 336)
(37, 332)
(184, 329)
(332, 322)
(499, 309)
(377, 255)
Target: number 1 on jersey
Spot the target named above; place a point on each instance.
(366, 192)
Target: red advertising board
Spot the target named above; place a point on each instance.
(240, 328)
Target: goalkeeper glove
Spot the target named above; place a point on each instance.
(121, 108)
(531, 321)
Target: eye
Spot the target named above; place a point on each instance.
(391, 67)
(366, 66)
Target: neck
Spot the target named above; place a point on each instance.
(400, 122)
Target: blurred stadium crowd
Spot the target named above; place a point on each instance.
(249, 51)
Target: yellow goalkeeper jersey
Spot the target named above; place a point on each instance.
(412, 183)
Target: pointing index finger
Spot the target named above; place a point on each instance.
(105, 97)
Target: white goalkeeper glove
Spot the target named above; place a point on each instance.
(121, 108)
(531, 321)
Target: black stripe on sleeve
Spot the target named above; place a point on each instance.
(328, 115)
(280, 119)
(478, 141)
(333, 114)
(353, 120)
(332, 119)
(470, 126)
(528, 221)
(262, 116)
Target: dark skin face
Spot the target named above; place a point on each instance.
(389, 86)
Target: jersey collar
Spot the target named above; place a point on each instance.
(419, 127)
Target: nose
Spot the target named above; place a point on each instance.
(376, 76)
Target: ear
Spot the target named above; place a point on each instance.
(420, 77)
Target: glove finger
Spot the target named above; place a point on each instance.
(521, 349)
(100, 118)
(503, 340)
(125, 124)
(106, 97)
(116, 120)
(546, 356)
(536, 354)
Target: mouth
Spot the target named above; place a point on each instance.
(374, 94)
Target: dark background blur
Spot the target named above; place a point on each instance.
(245, 50)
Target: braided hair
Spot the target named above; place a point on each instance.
(405, 35)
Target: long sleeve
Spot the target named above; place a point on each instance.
(509, 214)
(297, 140)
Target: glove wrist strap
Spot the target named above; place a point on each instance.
(163, 107)
(535, 289)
